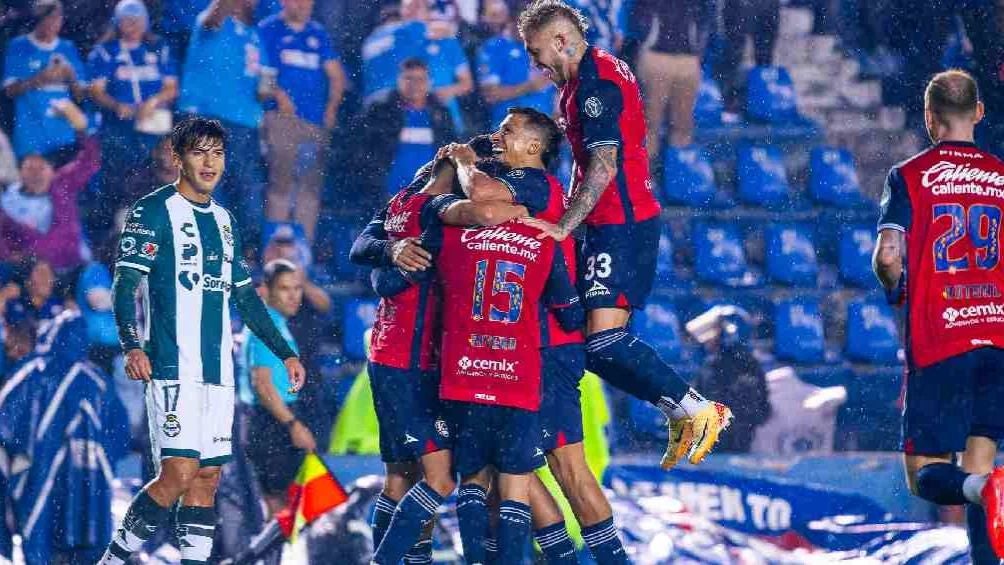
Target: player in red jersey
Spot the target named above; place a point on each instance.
(612, 193)
(939, 251)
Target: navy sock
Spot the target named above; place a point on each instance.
(472, 513)
(514, 532)
(491, 549)
(980, 550)
(382, 514)
(630, 364)
(556, 545)
(140, 523)
(420, 553)
(604, 543)
(415, 509)
(941, 483)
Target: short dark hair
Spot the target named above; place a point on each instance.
(192, 132)
(275, 269)
(542, 12)
(548, 131)
(414, 63)
(952, 93)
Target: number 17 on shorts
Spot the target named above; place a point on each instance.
(190, 419)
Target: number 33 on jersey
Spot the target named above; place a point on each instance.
(948, 201)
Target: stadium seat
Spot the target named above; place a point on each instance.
(833, 178)
(872, 332)
(658, 324)
(770, 96)
(358, 315)
(791, 255)
(798, 331)
(720, 257)
(688, 178)
(763, 180)
(855, 258)
(709, 104)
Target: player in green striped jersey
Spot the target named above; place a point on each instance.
(189, 250)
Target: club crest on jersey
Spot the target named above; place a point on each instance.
(149, 250)
(228, 234)
(127, 246)
(516, 173)
(593, 107)
(171, 427)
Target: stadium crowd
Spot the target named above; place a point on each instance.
(331, 106)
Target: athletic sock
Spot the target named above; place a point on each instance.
(980, 549)
(383, 511)
(513, 533)
(195, 527)
(942, 483)
(420, 553)
(556, 545)
(141, 522)
(472, 513)
(630, 364)
(604, 543)
(416, 508)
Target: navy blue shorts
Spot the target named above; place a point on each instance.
(409, 413)
(616, 267)
(560, 406)
(949, 401)
(501, 436)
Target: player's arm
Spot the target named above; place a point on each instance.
(890, 249)
(124, 287)
(476, 184)
(599, 107)
(268, 396)
(561, 296)
(370, 248)
(255, 316)
(217, 12)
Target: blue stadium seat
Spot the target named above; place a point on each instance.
(763, 180)
(719, 255)
(855, 258)
(658, 324)
(357, 317)
(798, 331)
(791, 255)
(770, 96)
(833, 177)
(709, 104)
(872, 332)
(688, 178)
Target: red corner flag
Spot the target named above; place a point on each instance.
(314, 491)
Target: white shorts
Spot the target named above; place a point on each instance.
(190, 419)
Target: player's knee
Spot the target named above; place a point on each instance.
(178, 474)
(442, 483)
(207, 479)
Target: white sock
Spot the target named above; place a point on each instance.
(690, 404)
(972, 488)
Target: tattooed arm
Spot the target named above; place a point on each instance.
(887, 261)
(601, 170)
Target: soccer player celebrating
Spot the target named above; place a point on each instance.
(612, 193)
(938, 250)
(189, 250)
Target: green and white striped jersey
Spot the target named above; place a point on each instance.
(191, 254)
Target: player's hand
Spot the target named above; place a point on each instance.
(137, 366)
(297, 374)
(461, 154)
(302, 437)
(144, 110)
(547, 229)
(408, 255)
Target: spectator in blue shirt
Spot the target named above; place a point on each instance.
(134, 81)
(92, 293)
(42, 70)
(505, 75)
(449, 69)
(390, 43)
(226, 77)
(302, 113)
(279, 439)
(39, 302)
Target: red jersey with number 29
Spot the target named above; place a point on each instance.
(948, 200)
(493, 283)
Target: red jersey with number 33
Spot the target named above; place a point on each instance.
(949, 200)
(602, 106)
(493, 281)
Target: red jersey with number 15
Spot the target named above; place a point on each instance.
(602, 106)
(948, 200)
(494, 281)
(406, 325)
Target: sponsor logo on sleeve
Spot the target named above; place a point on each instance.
(149, 250)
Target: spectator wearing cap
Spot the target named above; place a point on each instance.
(310, 82)
(42, 71)
(399, 135)
(225, 76)
(505, 75)
(39, 214)
(134, 81)
(279, 439)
